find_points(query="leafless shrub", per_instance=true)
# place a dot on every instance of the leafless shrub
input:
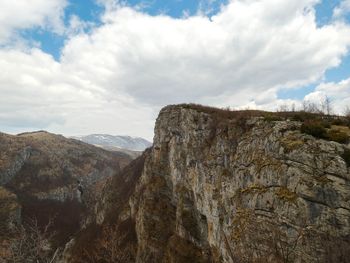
(346, 115)
(321, 107)
(31, 243)
(311, 107)
(293, 107)
(327, 105)
(347, 112)
(258, 239)
(109, 247)
(283, 108)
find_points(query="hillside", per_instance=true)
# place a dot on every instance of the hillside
(222, 186)
(46, 177)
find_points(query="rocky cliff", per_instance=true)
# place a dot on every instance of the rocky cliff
(225, 190)
(221, 186)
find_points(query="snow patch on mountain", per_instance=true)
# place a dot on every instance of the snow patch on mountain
(123, 142)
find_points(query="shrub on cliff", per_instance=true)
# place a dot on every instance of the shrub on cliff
(314, 128)
(340, 122)
(32, 243)
(323, 130)
(272, 117)
(337, 136)
(302, 116)
(346, 157)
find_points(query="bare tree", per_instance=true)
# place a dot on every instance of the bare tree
(293, 107)
(327, 105)
(312, 107)
(283, 108)
(32, 243)
(110, 247)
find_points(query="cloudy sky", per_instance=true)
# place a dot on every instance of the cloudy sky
(104, 66)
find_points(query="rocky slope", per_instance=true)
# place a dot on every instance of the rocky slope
(222, 186)
(47, 176)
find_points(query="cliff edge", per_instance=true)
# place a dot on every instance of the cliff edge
(222, 186)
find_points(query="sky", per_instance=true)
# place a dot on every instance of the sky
(78, 67)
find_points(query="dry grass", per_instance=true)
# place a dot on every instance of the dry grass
(286, 195)
(344, 129)
(291, 143)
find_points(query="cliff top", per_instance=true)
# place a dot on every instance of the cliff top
(320, 125)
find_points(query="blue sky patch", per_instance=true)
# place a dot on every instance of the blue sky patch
(52, 43)
(178, 8)
(324, 11)
(296, 94)
(173, 8)
(87, 10)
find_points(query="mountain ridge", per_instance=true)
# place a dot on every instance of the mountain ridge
(119, 141)
(47, 177)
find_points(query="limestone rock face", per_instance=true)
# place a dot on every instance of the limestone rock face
(209, 188)
(18, 161)
(226, 187)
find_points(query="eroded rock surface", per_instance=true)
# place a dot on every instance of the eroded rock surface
(211, 176)
(226, 187)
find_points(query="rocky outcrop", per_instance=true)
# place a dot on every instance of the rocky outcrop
(221, 186)
(7, 174)
(211, 186)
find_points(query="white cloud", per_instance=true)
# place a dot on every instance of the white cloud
(23, 14)
(342, 9)
(116, 77)
(207, 7)
(38, 92)
(338, 93)
(77, 26)
(250, 45)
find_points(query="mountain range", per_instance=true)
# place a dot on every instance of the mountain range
(115, 142)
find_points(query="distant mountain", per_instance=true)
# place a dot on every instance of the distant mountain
(121, 142)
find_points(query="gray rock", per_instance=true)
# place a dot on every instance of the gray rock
(223, 189)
